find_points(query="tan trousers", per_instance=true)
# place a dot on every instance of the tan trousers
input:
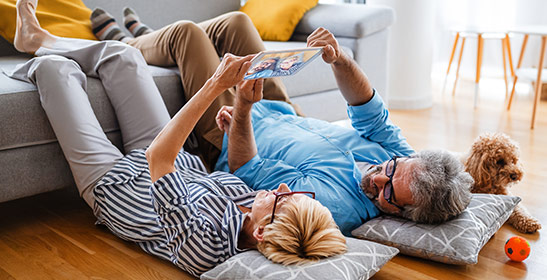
(195, 49)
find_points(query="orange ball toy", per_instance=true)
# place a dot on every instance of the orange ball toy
(517, 248)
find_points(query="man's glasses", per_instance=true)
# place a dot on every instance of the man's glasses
(389, 194)
(282, 194)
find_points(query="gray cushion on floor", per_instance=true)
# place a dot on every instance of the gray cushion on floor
(362, 260)
(457, 241)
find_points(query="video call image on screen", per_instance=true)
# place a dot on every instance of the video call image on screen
(280, 63)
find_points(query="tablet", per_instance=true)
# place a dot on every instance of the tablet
(270, 64)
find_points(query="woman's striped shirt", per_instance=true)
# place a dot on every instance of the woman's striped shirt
(188, 217)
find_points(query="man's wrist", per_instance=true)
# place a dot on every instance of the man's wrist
(342, 61)
(243, 105)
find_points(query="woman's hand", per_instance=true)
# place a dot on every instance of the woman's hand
(231, 71)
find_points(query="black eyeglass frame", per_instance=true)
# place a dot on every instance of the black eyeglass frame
(281, 194)
(389, 193)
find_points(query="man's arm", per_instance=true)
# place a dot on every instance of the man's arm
(164, 149)
(351, 80)
(241, 141)
(366, 111)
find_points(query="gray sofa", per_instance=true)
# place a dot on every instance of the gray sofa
(31, 161)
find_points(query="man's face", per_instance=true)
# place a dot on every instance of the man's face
(264, 65)
(375, 179)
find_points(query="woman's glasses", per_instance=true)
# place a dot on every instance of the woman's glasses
(282, 194)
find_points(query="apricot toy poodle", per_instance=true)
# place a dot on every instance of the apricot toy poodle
(493, 162)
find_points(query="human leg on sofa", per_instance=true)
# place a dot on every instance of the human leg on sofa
(60, 72)
(61, 85)
(127, 83)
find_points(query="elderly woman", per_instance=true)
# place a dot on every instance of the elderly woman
(161, 197)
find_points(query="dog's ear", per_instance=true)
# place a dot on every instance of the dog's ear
(479, 166)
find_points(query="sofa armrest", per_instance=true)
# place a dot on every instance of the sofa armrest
(346, 20)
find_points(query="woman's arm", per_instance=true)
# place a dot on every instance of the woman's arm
(163, 151)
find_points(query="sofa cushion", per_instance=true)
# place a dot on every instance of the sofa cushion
(276, 19)
(315, 77)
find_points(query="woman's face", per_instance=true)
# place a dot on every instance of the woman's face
(265, 200)
(287, 63)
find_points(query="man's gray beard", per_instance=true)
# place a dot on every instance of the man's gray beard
(367, 178)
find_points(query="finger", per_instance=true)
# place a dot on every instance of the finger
(315, 33)
(219, 122)
(227, 117)
(243, 70)
(319, 43)
(249, 57)
(318, 34)
(329, 51)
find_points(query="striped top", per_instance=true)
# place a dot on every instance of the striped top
(188, 217)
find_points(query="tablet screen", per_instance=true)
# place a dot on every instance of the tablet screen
(280, 63)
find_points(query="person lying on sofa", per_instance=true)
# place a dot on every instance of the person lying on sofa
(161, 197)
(356, 172)
(195, 48)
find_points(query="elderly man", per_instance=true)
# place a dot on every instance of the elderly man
(355, 172)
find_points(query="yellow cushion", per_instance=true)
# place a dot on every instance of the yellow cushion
(65, 18)
(275, 20)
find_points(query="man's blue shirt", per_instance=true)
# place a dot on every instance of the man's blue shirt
(313, 155)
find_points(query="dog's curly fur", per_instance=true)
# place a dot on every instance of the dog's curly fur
(493, 162)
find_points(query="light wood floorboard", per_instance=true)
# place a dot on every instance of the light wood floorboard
(52, 236)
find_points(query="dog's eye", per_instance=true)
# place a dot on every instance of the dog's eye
(500, 162)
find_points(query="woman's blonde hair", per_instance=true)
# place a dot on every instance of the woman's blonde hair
(304, 232)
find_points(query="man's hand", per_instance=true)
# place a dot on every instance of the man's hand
(224, 118)
(231, 71)
(351, 80)
(321, 37)
(249, 92)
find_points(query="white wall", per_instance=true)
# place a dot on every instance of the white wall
(410, 53)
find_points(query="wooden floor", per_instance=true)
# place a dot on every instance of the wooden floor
(52, 236)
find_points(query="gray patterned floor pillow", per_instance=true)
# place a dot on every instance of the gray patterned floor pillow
(362, 260)
(457, 241)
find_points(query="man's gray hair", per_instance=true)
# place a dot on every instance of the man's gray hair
(440, 188)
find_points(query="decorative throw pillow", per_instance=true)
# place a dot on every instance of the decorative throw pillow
(457, 241)
(65, 18)
(276, 20)
(362, 260)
